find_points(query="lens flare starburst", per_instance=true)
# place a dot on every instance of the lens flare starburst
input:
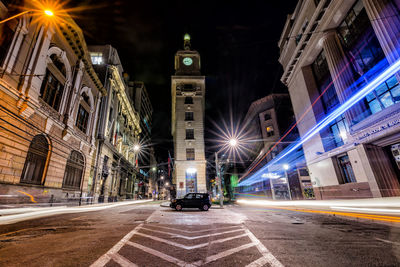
(233, 139)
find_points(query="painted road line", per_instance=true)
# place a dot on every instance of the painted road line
(224, 254)
(191, 237)
(162, 240)
(122, 260)
(387, 241)
(160, 254)
(196, 231)
(103, 260)
(383, 218)
(258, 263)
(272, 261)
(395, 211)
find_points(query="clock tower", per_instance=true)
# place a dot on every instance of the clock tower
(188, 92)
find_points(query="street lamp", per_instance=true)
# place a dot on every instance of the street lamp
(47, 12)
(136, 148)
(232, 142)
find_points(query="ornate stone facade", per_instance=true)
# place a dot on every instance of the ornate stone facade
(49, 98)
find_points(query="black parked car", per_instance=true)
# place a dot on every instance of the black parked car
(192, 200)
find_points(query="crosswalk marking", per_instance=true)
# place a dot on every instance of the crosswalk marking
(122, 261)
(267, 255)
(224, 254)
(192, 237)
(197, 231)
(159, 254)
(214, 235)
(189, 247)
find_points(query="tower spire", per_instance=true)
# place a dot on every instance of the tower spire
(186, 41)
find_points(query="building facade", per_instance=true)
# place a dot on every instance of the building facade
(49, 99)
(330, 49)
(188, 96)
(267, 120)
(116, 173)
(138, 93)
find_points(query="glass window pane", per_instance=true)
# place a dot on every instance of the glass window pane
(387, 100)
(370, 97)
(391, 81)
(396, 91)
(375, 106)
(381, 89)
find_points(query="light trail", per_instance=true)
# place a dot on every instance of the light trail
(29, 195)
(310, 207)
(382, 77)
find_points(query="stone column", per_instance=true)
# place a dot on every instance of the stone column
(341, 73)
(385, 20)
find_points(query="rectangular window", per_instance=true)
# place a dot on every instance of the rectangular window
(52, 90)
(82, 119)
(336, 134)
(188, 100)
(324, 83)
(384, 95)
(97, 58)
(346, 170)
(267, 117)
(189, 134)
(188, 116)
(354, 24)
(270, 131)
(189, 153)
(188, 87)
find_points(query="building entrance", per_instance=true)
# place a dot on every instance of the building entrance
(191, 181)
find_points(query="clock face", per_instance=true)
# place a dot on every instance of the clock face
(187, 61)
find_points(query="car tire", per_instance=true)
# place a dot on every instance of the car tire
(178, 207)
(205, 207)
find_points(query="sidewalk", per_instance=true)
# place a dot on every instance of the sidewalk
(8, 216)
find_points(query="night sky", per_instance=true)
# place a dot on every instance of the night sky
(237, 41)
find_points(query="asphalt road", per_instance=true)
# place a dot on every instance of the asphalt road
(150, 235)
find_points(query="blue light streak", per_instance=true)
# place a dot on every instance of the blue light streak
(363, 92)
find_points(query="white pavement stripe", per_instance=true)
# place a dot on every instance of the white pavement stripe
(190, 247)
(160, 254)
(106, 257)
(122, 261)
(272, 261)
(387, 241)
(191, 237)
(223, 254)
(258, 263)
(198, 231)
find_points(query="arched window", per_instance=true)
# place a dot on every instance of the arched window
(82, 118)
(35, 163)
(53, 83)
(74, 170)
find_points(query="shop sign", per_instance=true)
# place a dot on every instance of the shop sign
(380, 128)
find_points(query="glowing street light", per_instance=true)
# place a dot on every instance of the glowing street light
(162, 177)
(136, 148)
(233, 142)
(286, 167)
(49, 13)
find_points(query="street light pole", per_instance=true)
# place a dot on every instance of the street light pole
(286, 167)
(221, 194)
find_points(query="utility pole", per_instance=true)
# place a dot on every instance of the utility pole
(221, 194)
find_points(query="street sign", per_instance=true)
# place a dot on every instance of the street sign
(180, 185)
